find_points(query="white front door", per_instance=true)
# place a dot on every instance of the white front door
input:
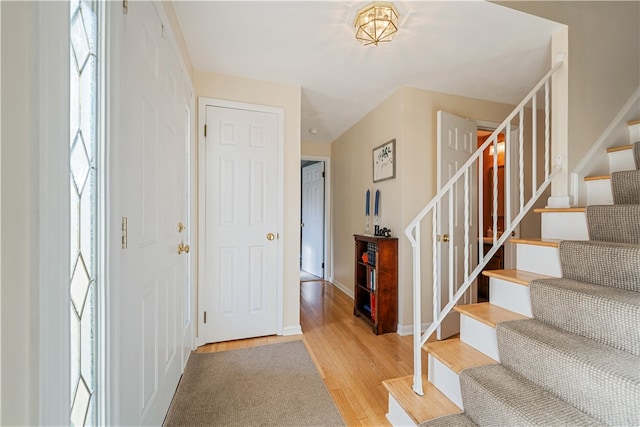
(312, 250)
(457, 141)
(238, 295)
(148, 192)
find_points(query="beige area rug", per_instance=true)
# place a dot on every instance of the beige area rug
(271, 385)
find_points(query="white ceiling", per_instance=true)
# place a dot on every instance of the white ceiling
(471, 48)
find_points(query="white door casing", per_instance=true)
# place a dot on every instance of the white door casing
(457, 141)
(312, 250)
(148, 188)
(240, 291)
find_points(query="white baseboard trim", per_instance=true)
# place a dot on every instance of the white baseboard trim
(291, 330)
(404, 330)
(343, 288)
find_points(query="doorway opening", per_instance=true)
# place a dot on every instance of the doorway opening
(312, 219)
(497, 262)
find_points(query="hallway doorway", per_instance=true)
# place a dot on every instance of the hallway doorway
(313, 218)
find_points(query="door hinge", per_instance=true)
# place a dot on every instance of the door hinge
(323, 174)
(124, 232)
(125, 6)
(323, 265)
(205, 317)
(205, 131)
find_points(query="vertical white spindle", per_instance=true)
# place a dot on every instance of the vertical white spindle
(466, 225)
(435, 248)
(534, 143)
(453, 191)
(417, 311)
(506, 197)
(495, 190)
(521, 159)
(546, 129)
(480, 207)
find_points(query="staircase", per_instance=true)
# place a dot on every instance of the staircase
(559, 341)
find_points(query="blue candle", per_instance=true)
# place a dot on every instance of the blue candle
(377, 203)
(366, 208)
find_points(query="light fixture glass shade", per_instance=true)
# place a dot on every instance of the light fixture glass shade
(500, 148)
(376, 23)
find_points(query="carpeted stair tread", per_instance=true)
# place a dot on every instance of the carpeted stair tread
(607, 264)
(494, 395)
(456, 420)
(597, 379)
(625, 186)
(605, 314)
(614, 223)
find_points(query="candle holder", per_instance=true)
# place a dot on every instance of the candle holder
(367, 231)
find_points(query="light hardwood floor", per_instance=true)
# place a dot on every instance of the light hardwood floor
(351, 359)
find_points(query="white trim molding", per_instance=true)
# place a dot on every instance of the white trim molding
(52, 141)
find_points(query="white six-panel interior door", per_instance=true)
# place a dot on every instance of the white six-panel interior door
(457, 141)
(239, 293)
(312, 247)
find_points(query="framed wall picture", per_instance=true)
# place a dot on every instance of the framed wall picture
(384, 163)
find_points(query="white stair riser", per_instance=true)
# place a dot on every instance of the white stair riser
(621, 161)
(599, 192)
(565, 225)
(445, 380)
(480, 336)
(634, 133)
(397, 416)
(511, 296)
(539, 259)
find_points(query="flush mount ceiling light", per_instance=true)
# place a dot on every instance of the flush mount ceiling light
(376, 23)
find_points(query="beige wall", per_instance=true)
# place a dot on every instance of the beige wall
(316, 149)
(287, 97)
(351, 161)
(409, 115)
(604, 62)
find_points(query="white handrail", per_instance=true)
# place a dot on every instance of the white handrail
(457, 290)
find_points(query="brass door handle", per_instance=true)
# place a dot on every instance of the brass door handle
(271, 236)
(183, 248)
(445, 238)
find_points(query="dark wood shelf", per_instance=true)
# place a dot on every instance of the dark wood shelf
(376, 283)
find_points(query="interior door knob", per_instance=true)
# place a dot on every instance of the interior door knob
(183, 248)
(271, 236)
(445, 238)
